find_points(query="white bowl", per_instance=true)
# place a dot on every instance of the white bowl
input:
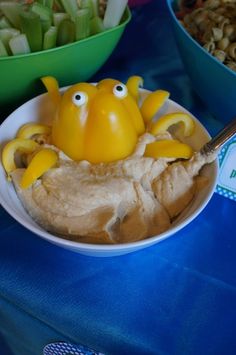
(32, 111)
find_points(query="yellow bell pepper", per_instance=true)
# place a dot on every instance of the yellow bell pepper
(170, 119)
(28, 130)
(110, 134)
(42, 161)
(152, 104)
(133, 84)
(168, 149)
(8, 153)
(69, 124)
(98, 123)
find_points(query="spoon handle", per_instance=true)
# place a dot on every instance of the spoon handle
(223, 136)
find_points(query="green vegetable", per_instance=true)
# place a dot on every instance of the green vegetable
(11, 10)
(58, 6)
(71, 7)
(87, 4)
(82, 25)
(19, 44)
(4, 23)
(66, 32)
(50, 38)
(3, 50)
(44, 12)
(114, 12)
(48, 3)
(44, 24)
(58, 17)
(31, 26)
(6, 34)
(96, 25)
(95, 5)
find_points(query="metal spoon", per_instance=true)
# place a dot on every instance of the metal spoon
(220, 139)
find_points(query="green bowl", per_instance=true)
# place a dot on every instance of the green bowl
(20, 75)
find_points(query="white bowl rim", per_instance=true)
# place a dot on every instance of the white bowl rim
(116, 248)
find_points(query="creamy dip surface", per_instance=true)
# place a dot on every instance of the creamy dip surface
(119, 202)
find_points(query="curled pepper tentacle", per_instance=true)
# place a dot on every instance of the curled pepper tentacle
(170, 148)
(30, 129)
(8, 153)
(133, 84)
(152, 104)
(52, 87)
(166, 121)
(44, 160)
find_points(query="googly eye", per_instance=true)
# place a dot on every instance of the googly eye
(79, 98)
(120, 90)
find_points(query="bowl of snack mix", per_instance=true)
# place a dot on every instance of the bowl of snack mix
(68, 39)
(206, 38)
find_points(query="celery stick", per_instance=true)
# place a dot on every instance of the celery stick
(96, 25)
(6, 34)
(19, 44)
(95, 6)
(31, 26)
(3, 50)
(82, 25)
(43, 11)
(58, 6)
(58, 17)
(4, 23)
(50, 38)
(87, 4)
(48, 3)
(114, 12)
(12, 12)
(66, 32)
(46, 24)
(71, 7)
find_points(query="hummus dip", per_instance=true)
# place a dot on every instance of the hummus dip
(119, 202)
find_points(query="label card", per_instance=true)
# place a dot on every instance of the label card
(226, 185)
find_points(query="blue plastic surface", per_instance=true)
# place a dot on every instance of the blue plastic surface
(177, 297)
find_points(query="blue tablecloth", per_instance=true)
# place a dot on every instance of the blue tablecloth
(176, 297)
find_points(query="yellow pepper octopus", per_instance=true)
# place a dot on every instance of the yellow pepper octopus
(99, 123)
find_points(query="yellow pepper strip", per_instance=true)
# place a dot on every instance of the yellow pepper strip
(44, 160)
(152, 104)
(133, 84)
(52, 87)
(168, 149)
(166, 121)
(30, 129)
(8, 153)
